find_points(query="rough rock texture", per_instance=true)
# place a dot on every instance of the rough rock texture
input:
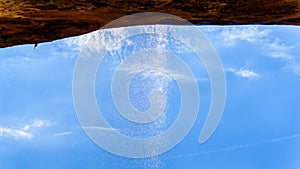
(36, 21)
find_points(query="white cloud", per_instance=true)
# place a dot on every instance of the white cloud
(250, 34)
(35, 124)
(63, 133)
(282, 51)
(244, 73)
(23, 132)
(271, 46)
(14, 133)
(108, 39)
(278, 50)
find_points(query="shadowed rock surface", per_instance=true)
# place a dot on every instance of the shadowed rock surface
(36, 21)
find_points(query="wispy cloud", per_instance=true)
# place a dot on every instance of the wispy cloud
(270, 45)
(251, 34)
(282, 51)
(295, 136)
(295, 67)
(244, 73)
(23, 132)
(14, 133)
(35, 124)
(108, 39)
(278, 50)
(63, 133)
(236, 147)
(98, 128)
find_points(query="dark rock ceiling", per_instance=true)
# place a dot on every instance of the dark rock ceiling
(36, 21)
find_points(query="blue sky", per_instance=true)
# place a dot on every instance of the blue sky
(260, 127)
